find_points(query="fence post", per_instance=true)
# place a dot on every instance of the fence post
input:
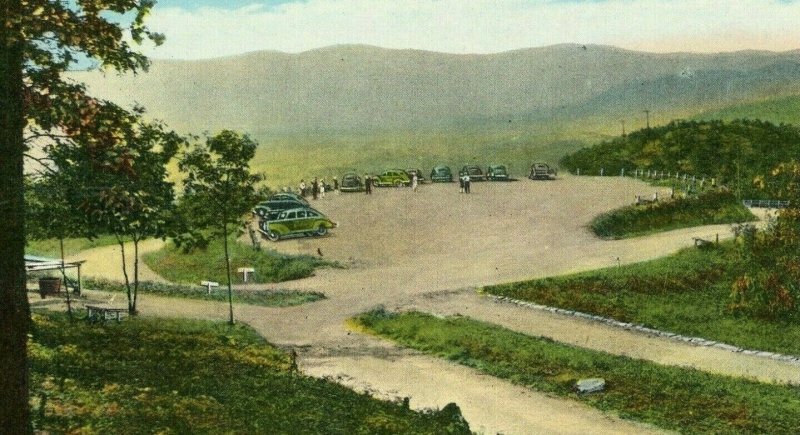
(601, 171)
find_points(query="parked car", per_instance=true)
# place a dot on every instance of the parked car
(497, 173)
(270, 208)
(412, 171)
(475, 173)
(296, 222)
(441, 174)
(392, 177)
(287, 196)
(351, 182)
(542, 171)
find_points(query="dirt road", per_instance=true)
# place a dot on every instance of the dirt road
(429, 250)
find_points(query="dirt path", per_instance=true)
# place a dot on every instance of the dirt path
(429, 250)
(106, 261)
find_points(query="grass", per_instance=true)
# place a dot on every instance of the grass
(50, 247)
(709, 208)
(209, 264)
(686, 293)
(264, 298)
(177, 376)
(670, 397)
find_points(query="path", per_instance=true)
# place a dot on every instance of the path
(429, 250)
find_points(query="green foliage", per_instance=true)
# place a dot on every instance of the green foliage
(770, 287)
(674, 398)
(687, 293)
(779, 110)
(175, 376)
(713, 207)
(265, 298)
(209, 264)
(734, 152)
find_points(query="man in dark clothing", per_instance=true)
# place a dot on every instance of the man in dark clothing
(368, 184)
(466, 183)
(315, 188)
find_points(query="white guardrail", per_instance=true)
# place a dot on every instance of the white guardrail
(765, 203)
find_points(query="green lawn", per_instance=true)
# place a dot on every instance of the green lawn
(50, 247)
(264, 298)
(175, 376)
(707, 209)
(209, 264)
(686, 293)
(674, 398)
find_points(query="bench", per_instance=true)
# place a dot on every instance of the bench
(104, 312)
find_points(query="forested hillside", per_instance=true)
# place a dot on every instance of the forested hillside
(733, 152)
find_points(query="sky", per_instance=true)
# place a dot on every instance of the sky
(198, 29)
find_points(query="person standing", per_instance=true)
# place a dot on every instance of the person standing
(466, 183)
(322, 188)
(461, 184)
(303, 188)
(414, 182)
(368, 184)
(336, 185)
(315, 188)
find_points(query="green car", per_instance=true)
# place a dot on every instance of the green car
(392, 177)
(441, 174)
(296, 222)
(497, 173)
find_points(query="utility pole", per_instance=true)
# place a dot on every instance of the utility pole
(647, 114)
(623, 127)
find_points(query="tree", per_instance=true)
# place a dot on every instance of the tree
(120, 167)
(39, 39)
(219, 188)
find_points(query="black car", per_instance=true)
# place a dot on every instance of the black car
(351, 182)
(497, 173)
(412, 171)
(475, 173)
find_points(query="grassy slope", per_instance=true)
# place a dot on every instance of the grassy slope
(170, 376)
(710, 208)
(209, 264)
(670, 397)
(50, 247)
(686, 293)
(777, 110)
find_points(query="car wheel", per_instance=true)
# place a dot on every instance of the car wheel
(321, 231)
(273, 236)
(398, 183)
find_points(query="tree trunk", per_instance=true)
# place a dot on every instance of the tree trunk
(64, 278)
(135, 273)
(228, 269)
(131, 308)
(14, 309)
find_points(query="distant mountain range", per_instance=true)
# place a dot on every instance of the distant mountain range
(354, 87)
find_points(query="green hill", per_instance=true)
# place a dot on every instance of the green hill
(733, 152)
(777, 110)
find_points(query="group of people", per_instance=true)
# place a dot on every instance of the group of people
(318, 187)
(464, 183)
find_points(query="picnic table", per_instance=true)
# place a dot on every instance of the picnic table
(104, 312)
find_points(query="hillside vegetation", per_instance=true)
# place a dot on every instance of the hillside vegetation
(179, 376)
(734, 152)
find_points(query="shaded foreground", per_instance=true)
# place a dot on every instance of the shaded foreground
(670, 397)
(177, 376)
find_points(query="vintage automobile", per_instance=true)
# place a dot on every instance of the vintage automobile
(441, 174)
(287, 196)
(351, 182)
(474, 172)
(542, 171)
(270, 208)
(497, 173)
(296, 222)
(420, 178)
(392, 177)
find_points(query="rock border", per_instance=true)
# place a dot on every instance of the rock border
(697, 341)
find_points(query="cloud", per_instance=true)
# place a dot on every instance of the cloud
(478, 26)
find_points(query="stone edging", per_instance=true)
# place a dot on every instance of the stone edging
(697, 341)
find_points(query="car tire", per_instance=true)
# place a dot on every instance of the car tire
(321, 231)
(272, 236)
(399, 183)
